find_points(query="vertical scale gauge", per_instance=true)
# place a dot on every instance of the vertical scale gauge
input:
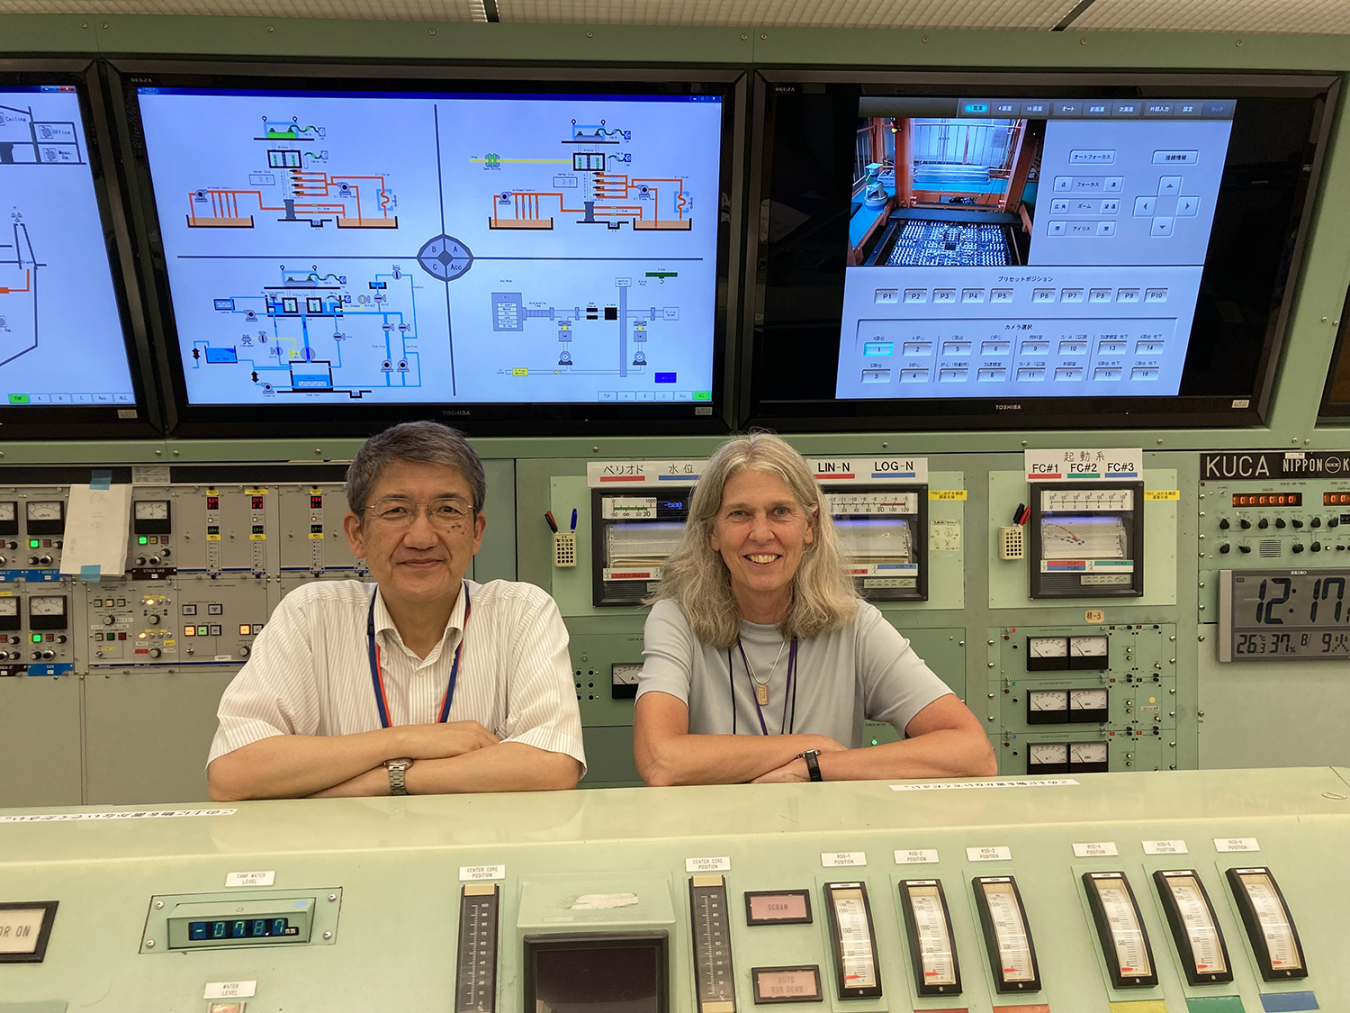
(476, 976)
(1120, 927)
(855, 954)
(1274, 939)
(712, 944)
(928, 924)
(1204, 955)
(1007, 936)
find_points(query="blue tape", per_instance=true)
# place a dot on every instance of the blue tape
(1288, 1002)
(90, 573)
(101, 479)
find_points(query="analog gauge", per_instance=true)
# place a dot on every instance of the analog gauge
(8, 511)
(47, 605)
(1088, 752)
(1042, 753)
(53, 510)
(1087, 699)
(9, 606)
(1047, 647)
(1047, 700)
(1087, 647)
(152, 510)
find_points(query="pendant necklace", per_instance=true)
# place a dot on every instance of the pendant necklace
(762, 688)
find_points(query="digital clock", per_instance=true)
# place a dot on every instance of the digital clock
(1284, 615)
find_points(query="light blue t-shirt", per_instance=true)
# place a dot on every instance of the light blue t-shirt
(864, 671)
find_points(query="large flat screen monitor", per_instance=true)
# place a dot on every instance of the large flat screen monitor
(67, 344)
(508, 253)
(1027, 252)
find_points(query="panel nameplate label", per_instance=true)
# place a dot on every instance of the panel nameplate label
(1049, 782)
(834, 859)
(251, 879)
(605, 474)
(1095, 849)
(870, 470)
(918, 856)
(469, 873)
(1165, 848)
(722, 864)
(997, 854)
(1099, 465)
(1236, 844)
(231, 990)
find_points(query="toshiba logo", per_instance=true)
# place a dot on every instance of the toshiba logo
(1007, 407)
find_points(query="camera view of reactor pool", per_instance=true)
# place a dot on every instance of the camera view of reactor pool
(1027, 247)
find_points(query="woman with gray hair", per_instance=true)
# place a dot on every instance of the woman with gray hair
(758, 579)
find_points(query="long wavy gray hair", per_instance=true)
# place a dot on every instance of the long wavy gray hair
(823, 595)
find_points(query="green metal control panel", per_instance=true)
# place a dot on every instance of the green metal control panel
(1186, 892)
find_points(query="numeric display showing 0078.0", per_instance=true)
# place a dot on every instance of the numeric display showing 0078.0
(1295, 614)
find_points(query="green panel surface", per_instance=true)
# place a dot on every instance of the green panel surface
(1215, 1004)
(1008, 581)
(40, 741)
(149, 734)
(395, 862)
(1256, 714)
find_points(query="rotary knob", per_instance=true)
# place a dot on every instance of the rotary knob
(153, 620)
(109, 620)
(48, 655)
(243, 650)
(155, 652)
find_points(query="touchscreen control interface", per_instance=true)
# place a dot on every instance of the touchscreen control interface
(1027, 248)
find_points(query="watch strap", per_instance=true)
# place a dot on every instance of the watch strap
(397, 769)
(812, 764)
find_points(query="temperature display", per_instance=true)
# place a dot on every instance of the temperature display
(1012, 954)
(1204, 956)
(1279, 614)
(1129, 958)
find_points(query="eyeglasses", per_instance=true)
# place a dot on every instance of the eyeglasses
(445, 512)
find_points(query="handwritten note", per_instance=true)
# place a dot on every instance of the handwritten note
(97, 522)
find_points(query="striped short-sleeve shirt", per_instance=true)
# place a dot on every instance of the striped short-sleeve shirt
(309, 673)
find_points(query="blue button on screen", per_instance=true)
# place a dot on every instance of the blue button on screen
(665, 377)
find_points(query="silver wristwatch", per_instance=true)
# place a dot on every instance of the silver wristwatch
(397, 768)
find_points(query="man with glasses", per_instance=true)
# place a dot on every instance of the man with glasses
(421, 683)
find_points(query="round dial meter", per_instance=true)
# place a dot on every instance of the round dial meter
(47, 605)
(1087, 699)
(1048, 647)
(1048, 752)
(1087, 647)
(45, 511)
(1047, 700)
(152, 510)
(1088, 752)
(9, 606)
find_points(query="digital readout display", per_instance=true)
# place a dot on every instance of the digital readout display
(242, 928)
(1269, 499)
(777, 907)
(1291, 614)
(1336, 499)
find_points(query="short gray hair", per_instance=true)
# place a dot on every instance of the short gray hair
(418, 443)
(824, 597)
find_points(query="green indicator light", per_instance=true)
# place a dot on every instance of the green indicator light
(143, 540)
(874, 742)
(33, 543)
(37, 638)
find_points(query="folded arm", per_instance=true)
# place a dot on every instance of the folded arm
(667, 754)
(294, 766)
(943, 740)
(505, 766)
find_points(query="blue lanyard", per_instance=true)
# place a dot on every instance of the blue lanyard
(787, 691)
(377, 673)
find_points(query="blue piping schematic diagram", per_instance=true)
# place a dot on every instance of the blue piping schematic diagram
(341, 252)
